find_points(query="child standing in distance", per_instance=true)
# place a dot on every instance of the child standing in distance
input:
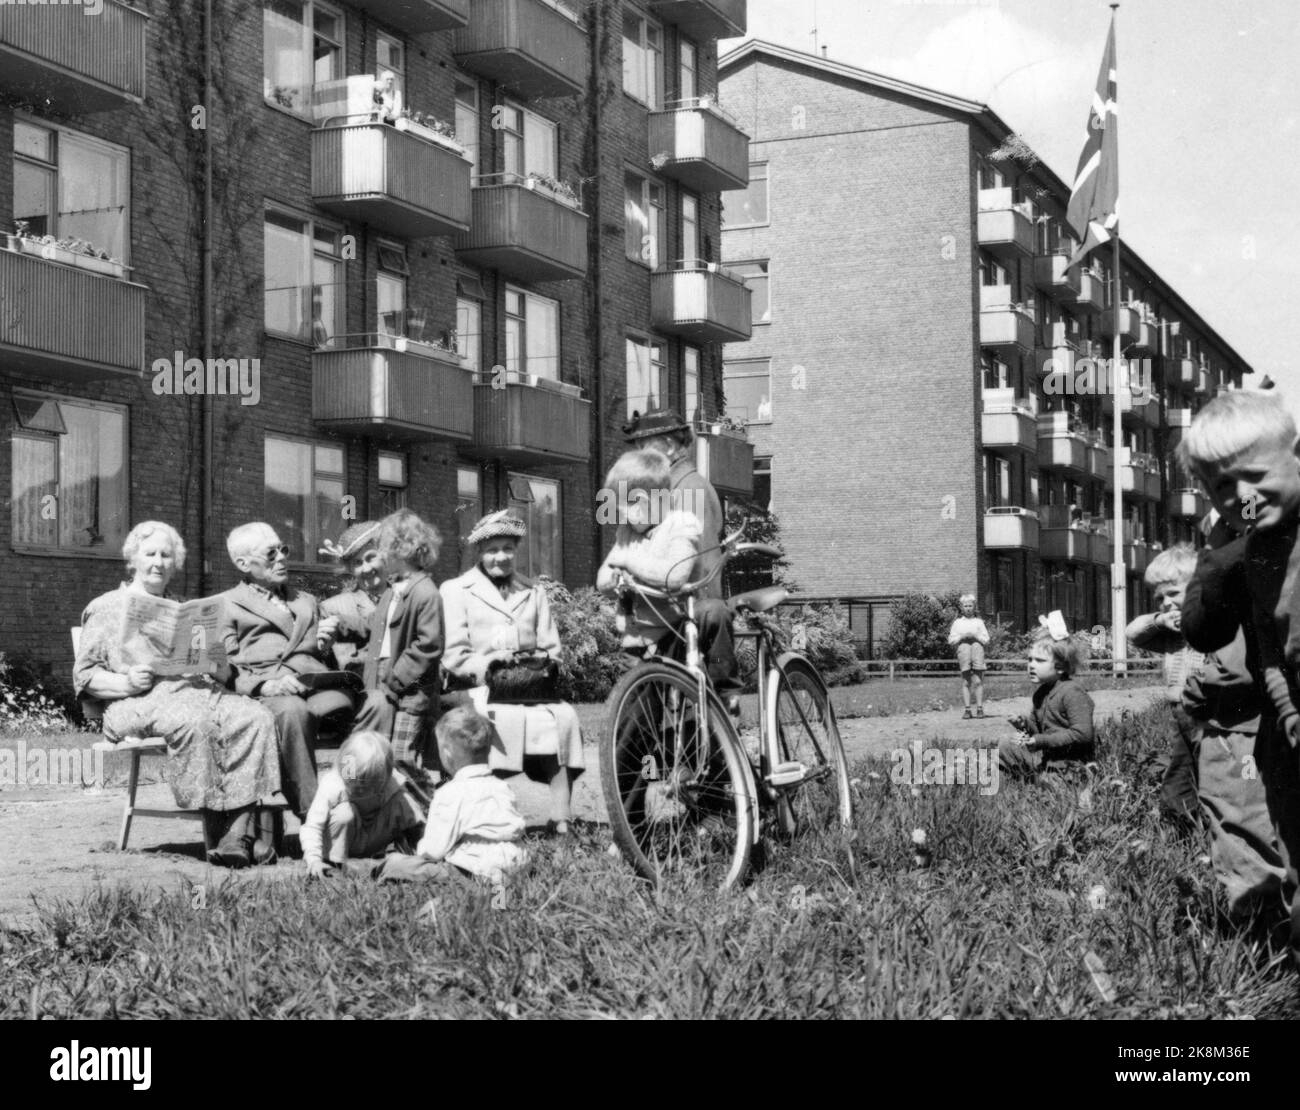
(970, 635)
(1161, 631)
(357, 553)
(1059, 727)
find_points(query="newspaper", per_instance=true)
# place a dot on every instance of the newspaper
(183, 638)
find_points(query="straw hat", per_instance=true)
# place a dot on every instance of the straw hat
(500, 523)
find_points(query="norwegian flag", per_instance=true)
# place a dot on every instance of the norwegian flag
(1094, 200)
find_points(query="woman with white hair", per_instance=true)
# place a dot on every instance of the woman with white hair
(222, 752)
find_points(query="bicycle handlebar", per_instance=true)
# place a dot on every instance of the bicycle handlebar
(730, 548)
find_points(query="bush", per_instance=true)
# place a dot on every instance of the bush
(25, 707)
(919, 624)
(827, 643)
(592, 659)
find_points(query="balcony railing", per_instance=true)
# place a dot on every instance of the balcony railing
(705, 19)
(1008, 422)
(1009, 526)
(1092, 292)
(1052, 277)
(726, 458)
(1003, 227)
(1099, 461)
(1181, 371)
(533, 47)
(392, 387)
(76, 61)
(1003, 323)
(1139, 474)
(702, 302)
(1188, 502)
(391, 179)
(1100, 546)
(1129, 324)
(527, 419)
(522, 229)
(1062, 534)
(699, 145)
(1062, 444)
(418, 16)
(62, 322)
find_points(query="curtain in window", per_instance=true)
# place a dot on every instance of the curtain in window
(288, 472)
(539, 145)
(542, 336)
(35, 471)
(287, 294)
(92, 492)
(635, 216)
(285, 76)
(93, 194)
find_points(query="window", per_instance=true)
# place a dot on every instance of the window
(763, 483)
(997, 481)
(469, 508)
(756, 277)
(304, 493)
(690, 228)
(532, 334)
(687, 73)
(643, 60)
(304, 293)
(748, 383)
(392, 482)
(747, 207)
(997, 375)
(469, 321)
(302, 43)
(529, 141)
(69, 476)
(990, 177)
(467, 118)
(537, 502)
(691, 382)
(647, 376)
(69, 185)
(390, 69)
(999, 601)
(390, 289)
(646, 219)
(991, 273)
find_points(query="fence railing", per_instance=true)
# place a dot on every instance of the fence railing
(893, 669)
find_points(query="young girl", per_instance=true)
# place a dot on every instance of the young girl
(405, 642)
(970, 635)
(358, 556)
(1060, 726)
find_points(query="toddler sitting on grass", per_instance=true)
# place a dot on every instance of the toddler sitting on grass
(1059, 727)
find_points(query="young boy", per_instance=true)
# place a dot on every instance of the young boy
(970, 635)
(1243, 447)
(1161, 631)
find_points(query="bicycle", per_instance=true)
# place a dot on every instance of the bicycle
(685, 797)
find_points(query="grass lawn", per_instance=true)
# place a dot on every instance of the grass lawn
(1062, 898)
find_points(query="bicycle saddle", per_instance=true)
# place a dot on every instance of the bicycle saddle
(759, 601)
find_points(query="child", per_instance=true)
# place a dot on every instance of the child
(1168, 575)
(357, 553)
(1059, 727)
(405, 642)
(970, 635)
(362, 810)
(474, 826)
(660, 546)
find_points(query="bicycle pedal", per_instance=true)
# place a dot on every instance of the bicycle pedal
(787, 774)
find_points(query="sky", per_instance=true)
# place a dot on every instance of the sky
(1209, 138)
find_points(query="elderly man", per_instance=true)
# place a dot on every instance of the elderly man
(665, 430)
(275, 639)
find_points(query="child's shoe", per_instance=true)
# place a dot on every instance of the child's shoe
(966, 716)
(979, 711)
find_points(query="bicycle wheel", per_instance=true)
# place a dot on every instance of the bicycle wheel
(676, 807)
(806, 733)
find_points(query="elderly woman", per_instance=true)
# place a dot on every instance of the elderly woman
(357, 553)
(221, 747)
(489, 614)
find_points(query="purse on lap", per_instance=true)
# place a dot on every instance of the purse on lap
(528, 677)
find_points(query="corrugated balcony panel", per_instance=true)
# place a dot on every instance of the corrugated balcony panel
(396, 394)
(1180, 371)
(1005, 327)
(1008, 432)
(390, 179)
(1010, 527)
(1062, 543)
(1092, 293)
(77, 61)
(1129, 324)
(728, 462)
(1100, 548)
(1059, 283)
(1005, 232)
(525, 45)
(701, 304)
(65, 323)
(417, 16)
(1062, 450)
(525, 233)
(1154, 484)
(1099, 462)
(530, 424)
(705, 19)
(1136, 556)
(700, 148)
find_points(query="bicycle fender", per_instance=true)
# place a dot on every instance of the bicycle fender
(796, 656)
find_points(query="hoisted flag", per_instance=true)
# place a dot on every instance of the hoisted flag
(1094, 200)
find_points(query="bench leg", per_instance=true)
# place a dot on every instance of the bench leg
(129, 808)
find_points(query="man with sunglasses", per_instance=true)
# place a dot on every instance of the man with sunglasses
(276, 639)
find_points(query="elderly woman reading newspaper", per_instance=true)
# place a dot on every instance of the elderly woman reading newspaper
(222, 753)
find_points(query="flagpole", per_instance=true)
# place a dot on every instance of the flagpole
(1119, 572)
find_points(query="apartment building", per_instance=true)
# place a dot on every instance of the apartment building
(914, 328)
(348, 257)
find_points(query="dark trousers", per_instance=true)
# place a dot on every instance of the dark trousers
(297, 721)
(1179, 788)
(717, 643)
(1279, 767)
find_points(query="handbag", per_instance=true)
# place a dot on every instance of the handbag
(524, 678)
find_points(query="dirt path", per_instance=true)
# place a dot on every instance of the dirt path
(58, 843)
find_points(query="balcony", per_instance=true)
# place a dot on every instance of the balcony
(1062, 444)
(1008, 526)
(702, 302)
(1188, 502)
(75, 61)
(699, 145)
(1136, 557)
(726, 458)
(391, 179)
(382, 385)
(1092, 292)
(1008, 423)
(1003, 227)
(418, 16)
(62, 322)
(1202, 381)
(1062, 534)
(1099, 461)
(1148, 334)
(534, 48)
(1052, 277)
(1139, 475)
(526, 419)
(1101, 549)
(1129, 324)
(1181, 372)
(1003, 324)
(705, 19)
(525, 230)
(1178, 421)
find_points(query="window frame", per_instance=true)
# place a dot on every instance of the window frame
(473, 148)
(692, 400)
(522, 359)
(308, 48)
(767, 198)
(521, 136)
(526, 546)
(732, 376)
(655, 229)
(654, 82)
(764, 277)
(309, 555)
(640, 340)
(311, 224)
(683, 93)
